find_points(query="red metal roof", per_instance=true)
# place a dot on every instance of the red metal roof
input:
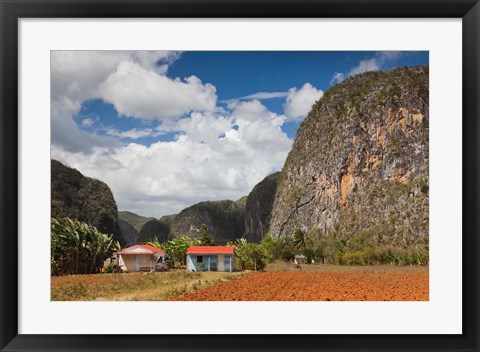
(144, 249)
(210, 250)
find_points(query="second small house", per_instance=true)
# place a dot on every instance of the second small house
(210, 258)
(141, 257)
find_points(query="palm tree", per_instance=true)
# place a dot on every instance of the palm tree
(299, 240)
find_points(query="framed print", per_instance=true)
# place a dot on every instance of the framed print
(201, 175)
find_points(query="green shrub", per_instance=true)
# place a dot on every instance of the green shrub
(109, 268)
(287, 253)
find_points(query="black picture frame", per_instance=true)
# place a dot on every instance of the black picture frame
(12, 11)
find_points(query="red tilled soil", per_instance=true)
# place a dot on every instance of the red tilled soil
(310, 286)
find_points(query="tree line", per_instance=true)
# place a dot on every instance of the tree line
(79, 248)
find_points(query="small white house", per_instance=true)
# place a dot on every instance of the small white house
(210, 258)
(300, 259)
(141, 257)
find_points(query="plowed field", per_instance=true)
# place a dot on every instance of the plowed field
(311, 286)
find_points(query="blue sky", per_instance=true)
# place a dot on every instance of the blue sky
(168, 129)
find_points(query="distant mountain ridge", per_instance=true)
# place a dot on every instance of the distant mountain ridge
(225, 220)
(137, 229)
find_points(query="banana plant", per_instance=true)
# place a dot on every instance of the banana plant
(78, 248)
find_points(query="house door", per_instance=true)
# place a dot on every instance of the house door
(228, 263)
(213, 263)
(221, 262)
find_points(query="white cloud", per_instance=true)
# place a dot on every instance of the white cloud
(75, 77)
(231, 103)
(337, 77)
(66, 134)
(264, 95)
(136, 91)
(365, 66)
(258, 127)
(77, 74)
(252, 111)
(299, 102)
(157, 61)
(133, 133)
(88, 122)
(204, 128)
(373, 64)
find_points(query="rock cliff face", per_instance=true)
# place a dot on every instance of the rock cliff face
(83, 198)
(360, 161)
(259, 208)
(225, 220)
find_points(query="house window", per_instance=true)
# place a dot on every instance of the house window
(199, 258)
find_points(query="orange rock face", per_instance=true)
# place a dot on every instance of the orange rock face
(346, 182)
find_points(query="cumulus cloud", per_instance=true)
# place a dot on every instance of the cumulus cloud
(204, 128)
(252, 111)
(77, 74)
(373, 64)
(299, 102)
(259, 128)
(136, 91)
(157, 61)
(75, 77)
